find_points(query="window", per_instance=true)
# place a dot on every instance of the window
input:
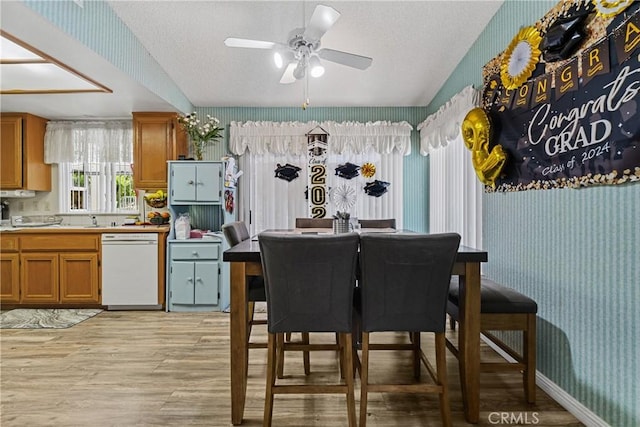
(97, 188)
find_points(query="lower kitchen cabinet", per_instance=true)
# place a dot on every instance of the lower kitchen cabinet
(79, 278)
(60, 278)
(39, 278)
(59, 269)
(9, 270)
(195, 272)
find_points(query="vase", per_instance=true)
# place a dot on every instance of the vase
(197, 148)
(197, 152)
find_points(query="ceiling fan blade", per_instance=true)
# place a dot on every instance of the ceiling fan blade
(345, 58)
(287, 76)
(322, 19)
(252, 44)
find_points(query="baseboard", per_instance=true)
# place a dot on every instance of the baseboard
(568, 402)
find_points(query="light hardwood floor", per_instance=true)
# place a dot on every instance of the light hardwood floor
(132, 368)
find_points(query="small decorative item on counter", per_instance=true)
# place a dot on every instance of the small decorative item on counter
(157, 199)
(183, 226)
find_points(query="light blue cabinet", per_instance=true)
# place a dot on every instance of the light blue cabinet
(195, 182)
(197, 278)
(194, 275)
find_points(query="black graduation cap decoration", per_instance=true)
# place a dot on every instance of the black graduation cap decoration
(564, 36)
(347, 170)
(287, 172)
(376, 188)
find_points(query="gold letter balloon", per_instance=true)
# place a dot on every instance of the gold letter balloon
(476, 133)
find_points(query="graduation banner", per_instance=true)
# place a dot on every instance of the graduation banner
(562, 102)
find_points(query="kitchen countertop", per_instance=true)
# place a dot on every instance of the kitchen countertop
(88, 229)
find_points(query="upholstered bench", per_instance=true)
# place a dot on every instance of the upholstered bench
(503, 309)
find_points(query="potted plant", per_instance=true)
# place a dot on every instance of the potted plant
(201, 134)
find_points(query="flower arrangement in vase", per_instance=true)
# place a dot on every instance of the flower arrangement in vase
(201, 134)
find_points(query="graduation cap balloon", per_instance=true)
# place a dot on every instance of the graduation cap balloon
(564, 36)
(376, 188)
(347, 170)
(287, 172)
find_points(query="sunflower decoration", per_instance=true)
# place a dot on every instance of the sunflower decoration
(520, 58)
(368, 170)
(608, 9)
(344, 197)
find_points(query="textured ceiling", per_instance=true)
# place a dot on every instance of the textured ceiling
(415, 45)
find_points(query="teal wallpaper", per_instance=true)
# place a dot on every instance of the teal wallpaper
(575, 252)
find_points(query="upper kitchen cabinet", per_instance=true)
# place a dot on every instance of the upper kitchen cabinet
(157, 138)
(22, 157)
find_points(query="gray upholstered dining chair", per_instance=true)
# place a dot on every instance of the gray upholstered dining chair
(314, 223)
(236, 232)
(378, 223)
(404, 287)
(309, 281)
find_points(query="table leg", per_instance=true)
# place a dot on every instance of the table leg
(469, 341)
(238, 344)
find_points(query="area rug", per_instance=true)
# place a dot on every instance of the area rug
(45, 318)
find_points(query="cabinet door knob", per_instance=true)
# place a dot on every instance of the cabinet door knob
(190, 182)
(198, 279)
(190, 279)
(199, 183)
(194, 253)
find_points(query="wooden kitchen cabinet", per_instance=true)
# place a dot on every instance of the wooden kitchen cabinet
(157, 138)
(22, 156)
(9, 270)
(59, 268)
(39, 278)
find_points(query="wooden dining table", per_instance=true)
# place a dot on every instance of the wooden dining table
(244, 259)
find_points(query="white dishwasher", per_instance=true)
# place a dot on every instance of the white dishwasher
(130, 271)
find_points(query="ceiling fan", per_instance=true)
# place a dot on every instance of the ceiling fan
(302, 48)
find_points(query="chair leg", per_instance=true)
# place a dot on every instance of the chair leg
(415, 340)
(280, 355)
(305, 354)
(452, 323)
(346, 342)
(271, 380)
(251, 306)
(529, 352)
(364, 379)
(441, 368)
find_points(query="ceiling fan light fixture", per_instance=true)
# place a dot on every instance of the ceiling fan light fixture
(299, 71)
(278, 60)
(282, 58)
(317, 69)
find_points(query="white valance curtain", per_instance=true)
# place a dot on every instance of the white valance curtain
(290, 137)
(268, 202)
(89, 142)
(455, 193)
(443, 126)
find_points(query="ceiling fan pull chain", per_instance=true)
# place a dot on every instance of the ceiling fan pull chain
(306, 102)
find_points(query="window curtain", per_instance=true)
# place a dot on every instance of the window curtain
(455, 193)
(88, 142)
(269, 202)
